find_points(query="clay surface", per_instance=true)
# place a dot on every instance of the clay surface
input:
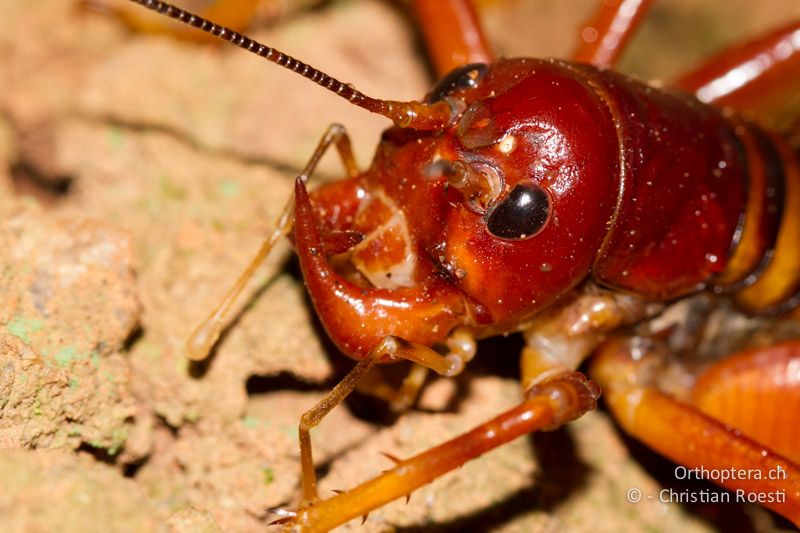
(139, 173)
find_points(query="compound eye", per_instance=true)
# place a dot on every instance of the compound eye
(520, 215)
(466, 77)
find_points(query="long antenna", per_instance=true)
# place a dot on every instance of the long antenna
(414, 115)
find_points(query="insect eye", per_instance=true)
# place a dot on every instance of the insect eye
(521, 214)
(466, 77)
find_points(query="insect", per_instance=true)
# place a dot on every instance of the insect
(572, 204)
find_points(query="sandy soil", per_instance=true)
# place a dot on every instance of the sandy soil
(137, 176)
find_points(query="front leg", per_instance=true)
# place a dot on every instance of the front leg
(391, 348)
(461, 343)
(560, 340)
(545, 407)
(206, 334)
(554, 394)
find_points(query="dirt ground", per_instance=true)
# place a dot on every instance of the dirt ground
(138, 174)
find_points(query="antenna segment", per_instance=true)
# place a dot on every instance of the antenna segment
(414, 115)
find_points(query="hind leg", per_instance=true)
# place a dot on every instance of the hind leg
(452, 32)
(766, 381)
(761, 76)
(604, 36)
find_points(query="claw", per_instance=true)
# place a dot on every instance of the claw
(283, 512)
(286, 516)
(282, 521)
(392, 458)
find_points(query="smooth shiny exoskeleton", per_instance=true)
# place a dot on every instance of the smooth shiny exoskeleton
(571, 203)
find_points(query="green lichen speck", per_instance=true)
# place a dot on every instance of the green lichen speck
(22, 327)
(116, 137)
(250, 422)
(229, 188)
(67, 355)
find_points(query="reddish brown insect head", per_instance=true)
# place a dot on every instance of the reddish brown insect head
(546, 149)
(357, 318)
(485, 203)
(505, 211)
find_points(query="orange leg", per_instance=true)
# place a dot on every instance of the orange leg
(559, 340)
(740, 389)
(548, 405)
(760, 76)
(205, 335)
(691, 438)
(399, 399)
(554, 394)
(604, 36)
(391, 348)
(461, 343)
(452, 33)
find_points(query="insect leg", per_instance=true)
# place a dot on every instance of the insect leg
(453, 35)
(207, 332)
(604, 36)
(689, 437)
(559, 341)
(760, 76)
(401, 398)
(548, 405)
(740, 389)
(391, 348)
(336, 135)
(461, 344)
